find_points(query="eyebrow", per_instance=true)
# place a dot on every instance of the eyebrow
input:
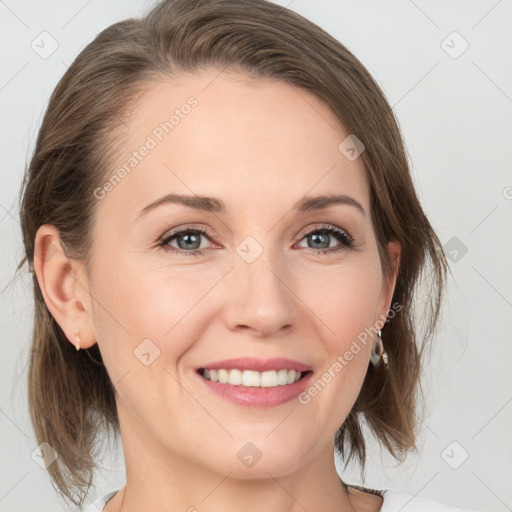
(214, 205)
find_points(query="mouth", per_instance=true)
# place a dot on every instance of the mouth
(250, 388)
(253, 378)
(255, 382)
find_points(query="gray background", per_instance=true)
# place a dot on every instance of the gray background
(454, 108)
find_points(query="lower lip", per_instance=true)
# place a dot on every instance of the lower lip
(258, 397)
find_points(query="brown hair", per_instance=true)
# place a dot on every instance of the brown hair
(71, 158)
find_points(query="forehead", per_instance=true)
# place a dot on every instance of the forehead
(222, 133)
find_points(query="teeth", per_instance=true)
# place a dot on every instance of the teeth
(282, 377)
(251, 378)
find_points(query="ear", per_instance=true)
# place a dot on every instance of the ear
(388, 285)
(64, 285)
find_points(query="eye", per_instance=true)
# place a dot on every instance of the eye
(188, 241)
(321, 238)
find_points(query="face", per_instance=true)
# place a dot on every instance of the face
(251, 275)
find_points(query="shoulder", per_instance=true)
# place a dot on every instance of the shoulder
(99, 503)
(395, 501)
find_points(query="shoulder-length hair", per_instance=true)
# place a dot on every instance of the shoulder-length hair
(71, 397)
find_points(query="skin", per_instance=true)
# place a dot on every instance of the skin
(260, 146)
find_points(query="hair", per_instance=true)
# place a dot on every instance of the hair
(71, 397)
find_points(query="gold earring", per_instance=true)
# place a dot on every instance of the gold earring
(77, 340)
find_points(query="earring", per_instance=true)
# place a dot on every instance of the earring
(378, 352)
(77, 340)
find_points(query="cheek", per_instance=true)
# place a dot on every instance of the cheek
(344, 298)
(135, 303)
(176, 303)
(345, 305)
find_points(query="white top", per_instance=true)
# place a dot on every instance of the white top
(393, 501)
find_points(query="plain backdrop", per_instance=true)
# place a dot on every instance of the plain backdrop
(445, 67)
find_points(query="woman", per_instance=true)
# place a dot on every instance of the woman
(226, 242)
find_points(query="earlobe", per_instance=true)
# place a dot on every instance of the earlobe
(61, 285)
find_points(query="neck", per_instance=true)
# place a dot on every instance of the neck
(158, 480)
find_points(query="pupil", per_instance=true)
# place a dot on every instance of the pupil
(316, 238)
(189, 239)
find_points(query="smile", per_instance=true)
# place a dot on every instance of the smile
(252, 378)
(251, 388)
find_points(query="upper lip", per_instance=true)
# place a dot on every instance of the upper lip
(259, 365)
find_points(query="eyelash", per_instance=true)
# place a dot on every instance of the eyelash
(341, 235)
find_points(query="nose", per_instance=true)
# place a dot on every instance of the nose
(260, 296)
